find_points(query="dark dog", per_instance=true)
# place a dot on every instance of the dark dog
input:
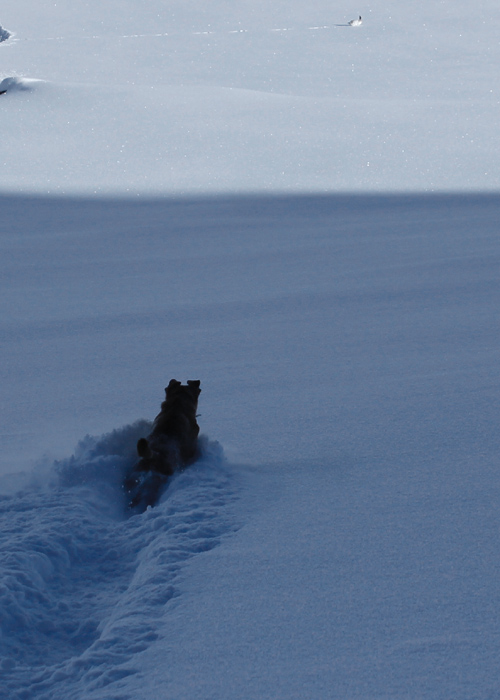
(171, 446)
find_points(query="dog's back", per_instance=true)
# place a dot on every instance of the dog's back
(173, 441)
(171, 445)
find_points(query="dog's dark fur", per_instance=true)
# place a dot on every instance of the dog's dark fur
(173, 442)
(171, 445)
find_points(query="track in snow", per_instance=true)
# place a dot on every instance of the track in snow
(83, 586)
(202, 33)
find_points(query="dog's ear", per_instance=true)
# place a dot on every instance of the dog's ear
(194, 385)
(173, 384)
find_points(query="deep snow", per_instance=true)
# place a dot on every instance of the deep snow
(348, 351)
(339, 537)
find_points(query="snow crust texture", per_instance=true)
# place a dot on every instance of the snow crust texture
(84, 586)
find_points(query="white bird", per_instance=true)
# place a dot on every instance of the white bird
(356, 22)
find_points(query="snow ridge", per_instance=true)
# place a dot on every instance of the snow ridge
(84, 586)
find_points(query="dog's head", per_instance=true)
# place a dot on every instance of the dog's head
(176, 389)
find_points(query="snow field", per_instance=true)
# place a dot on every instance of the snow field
(251, 99)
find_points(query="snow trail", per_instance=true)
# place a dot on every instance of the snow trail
(177, 34)
(84, 585)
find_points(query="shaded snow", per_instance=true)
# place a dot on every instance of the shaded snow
(348, 352)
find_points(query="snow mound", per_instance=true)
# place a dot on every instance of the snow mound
(12, 84)
(4, 34)
(83, 589)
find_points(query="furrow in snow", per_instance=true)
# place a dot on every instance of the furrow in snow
(84, 585)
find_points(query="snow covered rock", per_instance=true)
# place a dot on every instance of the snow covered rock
(19, 84)
(4, 34)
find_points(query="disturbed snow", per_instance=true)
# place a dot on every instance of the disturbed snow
(83, 582)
